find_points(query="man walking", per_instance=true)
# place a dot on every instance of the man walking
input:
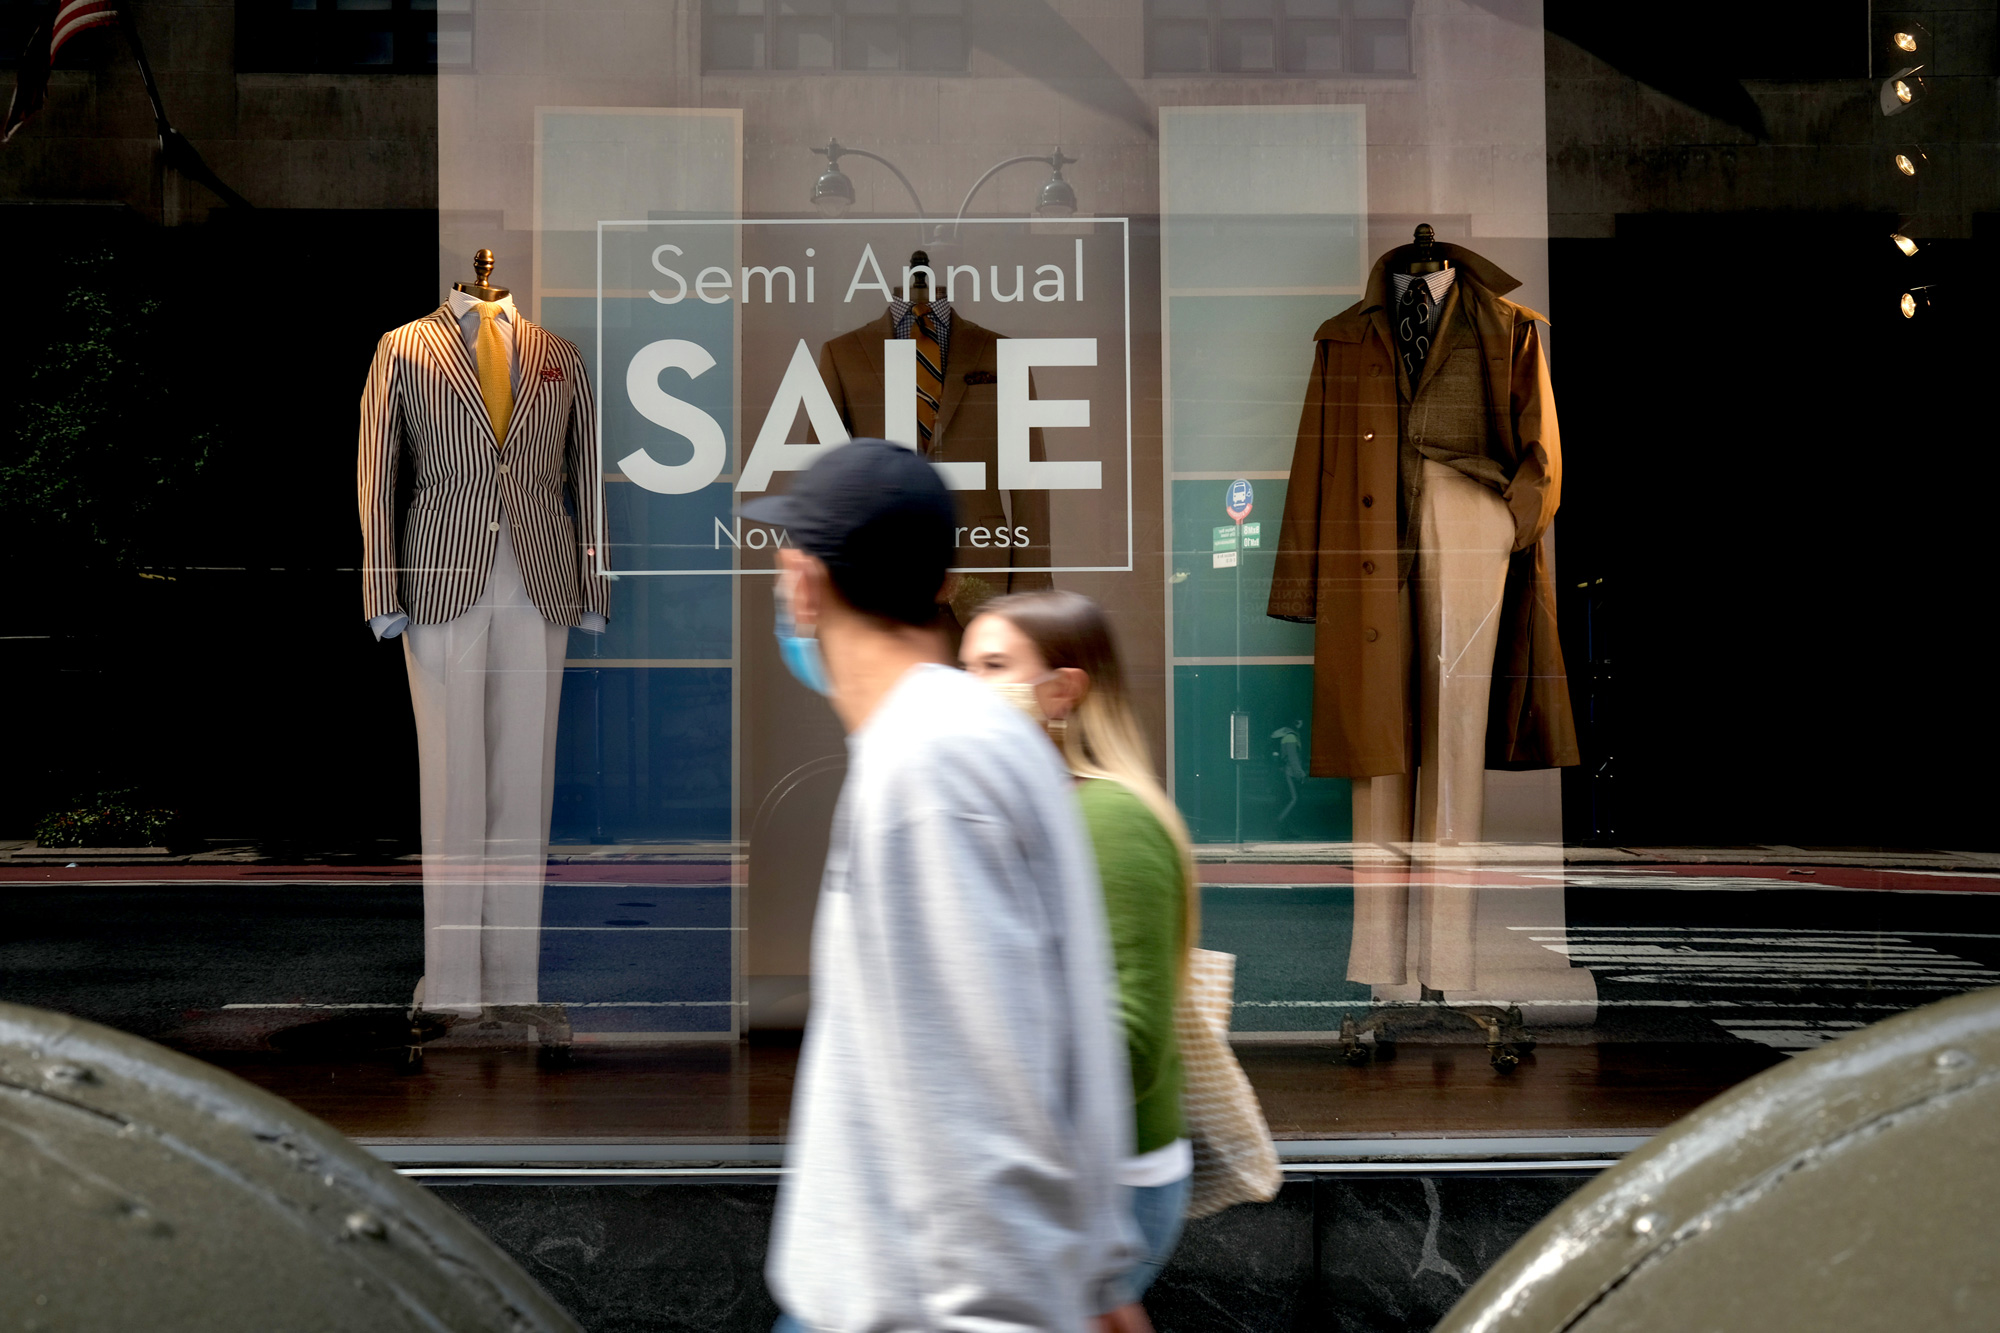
(961, 1109)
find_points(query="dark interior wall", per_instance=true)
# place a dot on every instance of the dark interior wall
(197, 634)
(1773, 547)
(1773, 551)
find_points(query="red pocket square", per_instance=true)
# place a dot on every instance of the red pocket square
(551, 374)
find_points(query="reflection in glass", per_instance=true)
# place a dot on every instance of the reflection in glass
(375, 48)
(833, 193)
(1179, 47)
(1450, 946)
(1903, 243)
(1249, 47)
(805, 43)
(1312, 48)
(937, 44)
(1382, 46)
(732, 34)
(870, 43)
(1058, 197)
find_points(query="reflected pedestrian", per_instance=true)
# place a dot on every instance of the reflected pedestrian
(960, 1113)
(1053, 653)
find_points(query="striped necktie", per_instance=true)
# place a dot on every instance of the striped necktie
(930, 375)
(496, 384)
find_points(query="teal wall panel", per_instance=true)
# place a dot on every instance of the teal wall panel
(1252, 800)
(1220, 612)
(1240, 366)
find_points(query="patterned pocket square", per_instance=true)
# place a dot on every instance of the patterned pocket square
(551, 374)
(980, 377)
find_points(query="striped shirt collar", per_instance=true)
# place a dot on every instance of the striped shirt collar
(1439, 282)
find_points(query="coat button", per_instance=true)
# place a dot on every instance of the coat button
(1367, 566)
(493, 527)
(1370, 635)
(503, 469)
(1367, 502)
(1369, 436)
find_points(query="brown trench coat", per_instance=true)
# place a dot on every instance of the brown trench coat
(1337, 544)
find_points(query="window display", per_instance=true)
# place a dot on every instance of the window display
(1412, 541)
(482, 573)
(1541, 780)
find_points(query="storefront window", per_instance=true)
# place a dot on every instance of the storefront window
(1517, 451)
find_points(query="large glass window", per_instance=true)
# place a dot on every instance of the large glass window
(1564, 662)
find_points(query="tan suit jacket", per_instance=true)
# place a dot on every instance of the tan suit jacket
(968, 430)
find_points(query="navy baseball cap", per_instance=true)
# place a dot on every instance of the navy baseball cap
(880, 518)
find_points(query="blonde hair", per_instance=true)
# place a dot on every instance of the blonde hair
(1101, 739)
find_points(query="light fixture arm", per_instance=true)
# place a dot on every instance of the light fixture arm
(1055, 161)
(835, 150)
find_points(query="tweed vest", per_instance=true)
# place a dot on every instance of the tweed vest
(1447, 419)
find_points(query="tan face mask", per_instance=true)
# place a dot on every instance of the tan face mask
(1021, 694)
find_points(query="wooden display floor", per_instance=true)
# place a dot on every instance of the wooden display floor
(742, 1093)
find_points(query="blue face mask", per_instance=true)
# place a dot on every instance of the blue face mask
(801, 654)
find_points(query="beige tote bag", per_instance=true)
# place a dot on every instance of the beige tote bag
(1234, 1158)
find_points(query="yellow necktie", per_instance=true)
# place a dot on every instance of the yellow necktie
(496, 385)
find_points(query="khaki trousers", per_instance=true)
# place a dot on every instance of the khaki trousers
(485, 688)
(1465, 537)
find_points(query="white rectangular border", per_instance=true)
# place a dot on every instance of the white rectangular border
(736, 417)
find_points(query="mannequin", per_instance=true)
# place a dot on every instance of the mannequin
(1427, 471)
(1000, 532)
(1435, 648)
(482, 576)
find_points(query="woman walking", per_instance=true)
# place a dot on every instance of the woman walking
(1052, 655)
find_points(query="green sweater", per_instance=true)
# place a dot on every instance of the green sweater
(1145, 902)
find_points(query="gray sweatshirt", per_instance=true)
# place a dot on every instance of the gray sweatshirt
(963, 1103)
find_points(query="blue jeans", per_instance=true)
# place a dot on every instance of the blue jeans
(1159, 1210)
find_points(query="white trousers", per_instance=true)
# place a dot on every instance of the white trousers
(1465, 537)
(485, 688)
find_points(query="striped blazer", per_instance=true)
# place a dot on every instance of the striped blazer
(422, 402)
